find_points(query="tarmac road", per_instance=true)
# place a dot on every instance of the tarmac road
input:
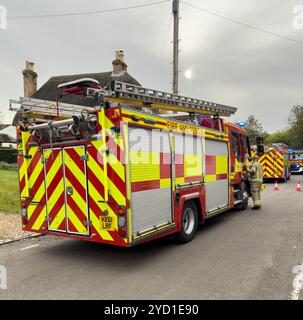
(237, 255)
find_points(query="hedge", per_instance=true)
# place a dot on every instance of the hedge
(8, 155)
(8, 166)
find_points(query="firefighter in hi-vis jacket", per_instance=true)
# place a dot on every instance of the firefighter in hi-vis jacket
(256, 181)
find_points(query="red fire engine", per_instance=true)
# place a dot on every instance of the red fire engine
(122, 174)
(275, 160)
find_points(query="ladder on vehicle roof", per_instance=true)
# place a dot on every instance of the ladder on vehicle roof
(129, 94)
(167, 101)
(47, 108)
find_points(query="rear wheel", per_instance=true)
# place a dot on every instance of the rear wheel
(189, 223)
(284, 179)
(241, 197)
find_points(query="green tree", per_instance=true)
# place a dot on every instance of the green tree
(254, 129)
(282, 136)
(296, 124)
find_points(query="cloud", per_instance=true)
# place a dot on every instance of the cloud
(231, 64)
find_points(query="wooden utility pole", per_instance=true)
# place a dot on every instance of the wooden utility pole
(176, 7)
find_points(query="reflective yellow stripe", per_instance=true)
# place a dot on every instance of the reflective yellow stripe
(192, 165)
(180, 180)
(145, 166)
(210, 178)
(165, 183)
(221, 164)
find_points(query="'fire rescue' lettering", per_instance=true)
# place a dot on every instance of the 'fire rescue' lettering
(181, 127)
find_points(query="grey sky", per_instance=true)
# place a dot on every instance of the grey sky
(230, 64)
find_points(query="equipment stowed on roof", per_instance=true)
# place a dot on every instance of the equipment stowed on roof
(168, 101)
(120, 92)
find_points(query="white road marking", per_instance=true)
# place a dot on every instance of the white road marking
(297, 282)
(30, 247)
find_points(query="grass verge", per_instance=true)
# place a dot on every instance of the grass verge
(9, 192)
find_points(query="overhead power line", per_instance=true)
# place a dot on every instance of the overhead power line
(166, 37)
(242, 23)
(67, 14)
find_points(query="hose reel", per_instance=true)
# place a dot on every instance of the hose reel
(54, 131)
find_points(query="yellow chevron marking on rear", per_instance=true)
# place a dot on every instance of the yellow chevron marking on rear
(95, 221)
(32, 152)
(36, 171)
(51, 202)
(109, 124)
(41, 190)
(58, 219)
(81, 203)
(273, 167)
(95, 168)
(77, 172)
(40, 193)
(117, 166)
(116, 194)
(39, 221)
(75, 221)
(25, 137)
(24, 192)
(270, 170)
(78, 199)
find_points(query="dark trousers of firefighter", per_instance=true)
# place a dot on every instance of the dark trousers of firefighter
(255, 188)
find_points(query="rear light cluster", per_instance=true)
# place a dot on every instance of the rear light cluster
(121, 212)
(23, 203)
(24, 216)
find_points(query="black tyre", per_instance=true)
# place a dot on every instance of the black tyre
(243, 196)
(283, 180)
(189, 223)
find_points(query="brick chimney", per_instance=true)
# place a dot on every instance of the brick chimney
(119, 66)
(29, 79)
